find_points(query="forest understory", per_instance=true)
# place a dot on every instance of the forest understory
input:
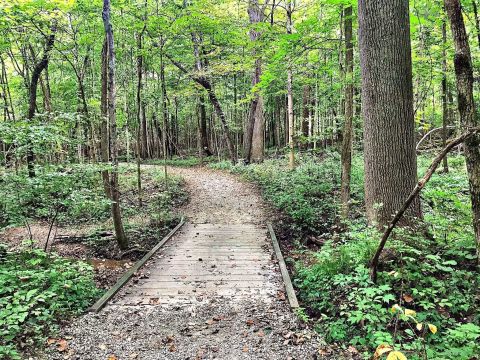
(352, 126)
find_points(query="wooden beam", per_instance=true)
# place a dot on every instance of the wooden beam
(123, 280)
(292, 298)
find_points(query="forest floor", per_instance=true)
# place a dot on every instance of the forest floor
(222, 327)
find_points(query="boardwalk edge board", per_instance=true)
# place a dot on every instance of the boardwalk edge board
(123, 280)
(292, 298)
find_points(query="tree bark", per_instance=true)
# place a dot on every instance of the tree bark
(444, 94)
(348, 126)
(414, 195)
(466, 107)
(254, 134)
(205, 149)
(115, 193)
(387, 106)
(104, 136)
(32, 103)
(291, 121)
(306, 115)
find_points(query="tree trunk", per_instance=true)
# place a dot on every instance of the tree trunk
(203, 128)
(115, 193)
(104, 142)
(142, 123)
(444, 95)
(254, 134)
(291, 124)
(306, 115)
(466, 107)
(348, 126)
(387, 106)
(32, 103)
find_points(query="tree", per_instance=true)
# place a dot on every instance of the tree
(255, 128)
(466, 107)
(387, 107)
(114, 191)
(41, 65)
(348, 126)
(291, 121)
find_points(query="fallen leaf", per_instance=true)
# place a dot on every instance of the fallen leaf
(352, 350)
(112, 357)
(51, 341)
(407, 298)
(133, 355)
(154, 301)
(280, 295)
(245, 348)
(172, 348)
(62, 345)
(102, 347)
(210, 322)
(249, 322)
(261, 333)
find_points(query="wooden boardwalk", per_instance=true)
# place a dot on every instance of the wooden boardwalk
(204, 262)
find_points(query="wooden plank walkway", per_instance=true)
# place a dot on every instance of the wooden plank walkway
(202, 262)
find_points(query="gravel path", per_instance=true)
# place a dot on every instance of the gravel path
(214, 327)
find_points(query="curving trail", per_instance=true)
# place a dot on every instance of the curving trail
(213, 292)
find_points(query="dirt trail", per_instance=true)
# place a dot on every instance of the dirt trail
(229, 304)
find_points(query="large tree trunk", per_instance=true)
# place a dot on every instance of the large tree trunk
(32, 103)
(466, 107)
(387, 105)
(115, 193)
(348, 126)
(254, 134)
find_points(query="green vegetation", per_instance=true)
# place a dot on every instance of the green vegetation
(429, 270)
(37, 290)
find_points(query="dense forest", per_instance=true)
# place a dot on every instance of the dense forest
(357, 122)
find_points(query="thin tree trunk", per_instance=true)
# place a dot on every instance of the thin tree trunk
(466, 107)
(444, 95)
(104, 142)
(202, 123)
(115, 193)
(32, 103)
(348, 126)
(291, 123)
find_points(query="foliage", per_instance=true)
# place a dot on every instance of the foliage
(306, 194)
(441, 288)
(334, 283)
(36, 291)
(73, 191)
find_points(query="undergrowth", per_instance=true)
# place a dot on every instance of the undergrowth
(426, 300)
(37, 290)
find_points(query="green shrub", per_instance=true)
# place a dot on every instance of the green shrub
(36, 290)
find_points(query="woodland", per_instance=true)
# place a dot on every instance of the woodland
(357, 121)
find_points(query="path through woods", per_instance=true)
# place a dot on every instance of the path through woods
(214, 291)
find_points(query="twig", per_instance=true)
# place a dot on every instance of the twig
(420, 185)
